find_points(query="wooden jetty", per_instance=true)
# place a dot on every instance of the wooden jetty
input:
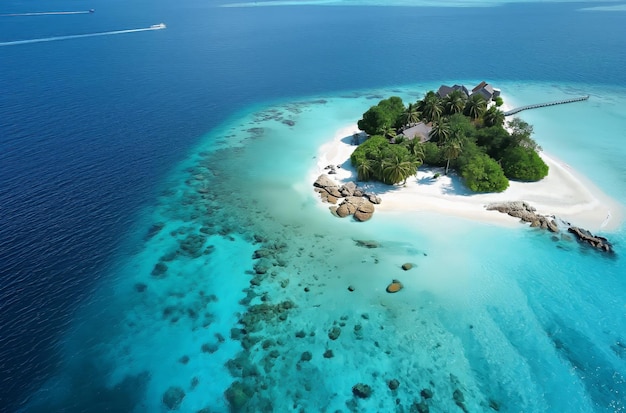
(543, 105)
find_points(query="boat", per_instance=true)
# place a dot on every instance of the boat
(92, 10)
(158, 26)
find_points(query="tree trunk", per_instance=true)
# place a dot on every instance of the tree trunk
(447, 166)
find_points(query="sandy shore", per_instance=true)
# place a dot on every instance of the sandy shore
(563, 193)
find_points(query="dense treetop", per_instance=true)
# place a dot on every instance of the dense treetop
(468, 135)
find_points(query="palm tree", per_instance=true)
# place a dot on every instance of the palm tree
(365, 170)
(396, 169)
(440, 131)
(452, 147)
(475, 106)
(411, 115)
(415, 148)
(493, 117)
(454, 102)
(431, 107)
(388, 131)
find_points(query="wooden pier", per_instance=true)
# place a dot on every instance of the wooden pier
(543, 105)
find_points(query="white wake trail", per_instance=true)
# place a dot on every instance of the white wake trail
(47, 13)
(79, 36)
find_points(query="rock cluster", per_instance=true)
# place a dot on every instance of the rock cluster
(355, 202)
(526, 213)
(594, 240)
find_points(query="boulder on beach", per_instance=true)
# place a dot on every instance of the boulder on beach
(364, 211)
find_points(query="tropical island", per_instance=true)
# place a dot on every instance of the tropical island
(452, 153)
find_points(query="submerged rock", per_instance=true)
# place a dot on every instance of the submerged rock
(366, 244)
(394, 287)
(173, 397)
(328, 354)
(427, 393)
(407, 266)
(238, 395)
(159, 270)
(393, 384)
(334, 333)
(361, 390)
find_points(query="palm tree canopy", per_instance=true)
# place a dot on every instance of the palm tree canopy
(440, 131)
(475, 106)
(454, 102)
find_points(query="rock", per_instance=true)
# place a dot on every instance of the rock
(394, 287)
(262, 266)
(159, 270)
(262, 253)
(393, 384)
(407, 266)
(173, 397)
(364, 211)
(348, 189)
(306, 356)
(373, 198)
(209, 348)
(585, 236)
(343, 210)
(361, 390)
(324, 182)
(192, 245)
(300, 334)
(334, 333)
(328, 354)
(458, 396)
(427, 393)
(366, 244)
(420, 407)
(350, 288)
(184, 360)
(237, 395)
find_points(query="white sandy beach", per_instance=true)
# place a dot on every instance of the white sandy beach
(563, 193)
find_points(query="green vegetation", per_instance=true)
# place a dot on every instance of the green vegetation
(378, 159)
(467, 135)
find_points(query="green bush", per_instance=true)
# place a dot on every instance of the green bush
(433, 155)
(523, 164)
(483, 174)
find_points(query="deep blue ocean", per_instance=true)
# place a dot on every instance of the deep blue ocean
(91, 129)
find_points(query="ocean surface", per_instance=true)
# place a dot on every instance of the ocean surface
(160, 240)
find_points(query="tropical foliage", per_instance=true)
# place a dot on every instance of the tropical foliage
(467, 135)
(383, 118)
(381, 160)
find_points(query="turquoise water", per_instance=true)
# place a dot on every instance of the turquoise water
(507, 316)
(142, 173)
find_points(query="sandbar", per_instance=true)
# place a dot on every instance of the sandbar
(564, 193)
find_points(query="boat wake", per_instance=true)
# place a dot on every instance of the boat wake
(159, 26)
(48, 13)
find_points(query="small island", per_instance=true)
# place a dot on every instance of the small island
(452, 153)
